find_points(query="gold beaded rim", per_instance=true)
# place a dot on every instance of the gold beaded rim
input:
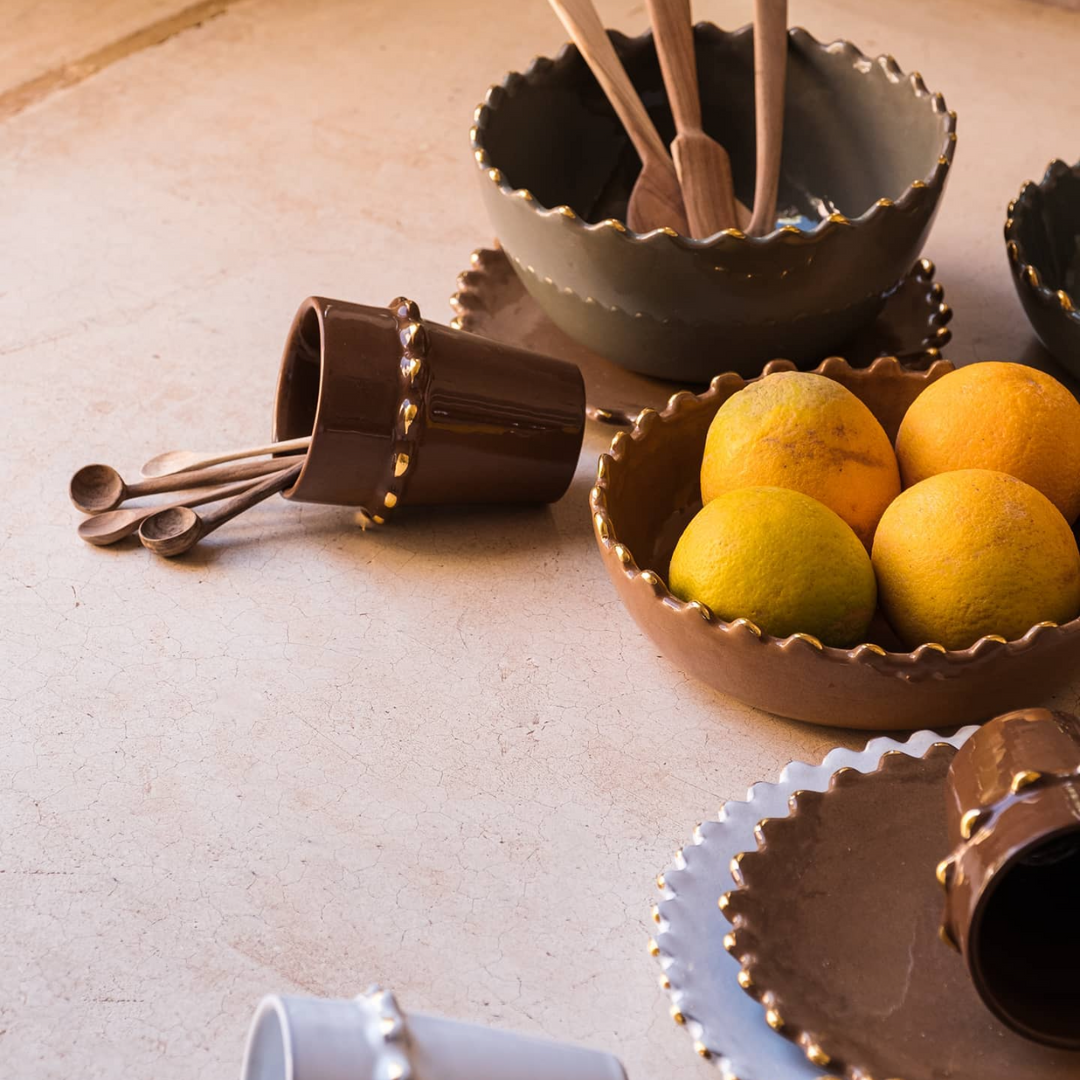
(1025, 273)
(414, 377)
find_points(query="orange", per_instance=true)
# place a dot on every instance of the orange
(1006, 417)
(807, 433)
(969, 553)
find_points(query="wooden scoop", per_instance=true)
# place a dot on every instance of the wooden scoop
(113, 525)
(174, 461)
(770, 74)
(177, 529)
(96, 488)
(657, 198)
(702, 164)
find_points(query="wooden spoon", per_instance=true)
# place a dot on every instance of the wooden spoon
(173, 461)
(113, 525)
(770, 74)
(96, 488)
(657, 198)
(178, 529)
(702, 164)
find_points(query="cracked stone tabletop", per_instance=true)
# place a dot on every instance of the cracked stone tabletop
(305, 758)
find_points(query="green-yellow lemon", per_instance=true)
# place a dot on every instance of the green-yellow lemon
(782, 560)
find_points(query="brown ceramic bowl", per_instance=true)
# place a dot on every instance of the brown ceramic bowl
(866, 154)
(646, 492)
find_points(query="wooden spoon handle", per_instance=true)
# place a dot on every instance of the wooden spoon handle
(583, 24)
(254, 494)
(770, 69)
(674, 34)
(154, 467)
(244, 470)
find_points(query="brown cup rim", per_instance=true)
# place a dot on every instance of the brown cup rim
(413, 373)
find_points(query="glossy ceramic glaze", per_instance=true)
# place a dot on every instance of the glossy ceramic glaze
(700, 976)
(492, 301)
(1042, 240)
(401, 409)
(647, 491)
(1012, 881)
(370, 1037)
(866, 155)
(834, 922)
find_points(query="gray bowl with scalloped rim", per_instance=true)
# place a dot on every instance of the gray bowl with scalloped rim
(1042, 239)
(866, 155)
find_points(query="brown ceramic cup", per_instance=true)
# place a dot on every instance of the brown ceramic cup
(1012, 881)
(401, 409)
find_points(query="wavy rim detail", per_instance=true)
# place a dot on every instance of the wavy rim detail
(676, 977)
(897, 663)
(1025, 272)
(786, 234)
(468, 298)
(744, 955)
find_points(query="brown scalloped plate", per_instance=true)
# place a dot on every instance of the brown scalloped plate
(835, 926)
(647, 491)
(491, 301)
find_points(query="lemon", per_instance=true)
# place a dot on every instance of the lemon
(808, 433)
(1006, 417)
(780, 559)
(974, 552)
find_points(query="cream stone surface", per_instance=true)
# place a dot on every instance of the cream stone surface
(304, 758)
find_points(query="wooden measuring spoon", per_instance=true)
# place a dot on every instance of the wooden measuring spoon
(113, 525)
(96, 488)
(173, 461)
(657, 198)
(702, 164)
(177, 529)
(770, 74)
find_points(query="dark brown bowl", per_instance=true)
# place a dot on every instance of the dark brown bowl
(867, 151)
(1041, 234)
(646, 492)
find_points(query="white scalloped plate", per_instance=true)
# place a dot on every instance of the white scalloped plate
(726, 1024)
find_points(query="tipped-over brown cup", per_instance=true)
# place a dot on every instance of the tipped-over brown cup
(403, 410)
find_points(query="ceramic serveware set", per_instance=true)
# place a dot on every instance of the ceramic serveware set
(577, 315)
(836, 938)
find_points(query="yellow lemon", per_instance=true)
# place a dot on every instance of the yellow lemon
(1006, 417)
(808, 433)
(780, 559)
(974, 552)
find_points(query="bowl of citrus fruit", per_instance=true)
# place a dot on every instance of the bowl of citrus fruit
(874, 548)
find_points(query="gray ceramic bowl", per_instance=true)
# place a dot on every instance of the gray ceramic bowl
(866, 155)
(1042, 238)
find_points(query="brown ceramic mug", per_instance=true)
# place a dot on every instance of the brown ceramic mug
(400, 409)
(1012, 881)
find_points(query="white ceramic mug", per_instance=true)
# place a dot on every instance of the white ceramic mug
(369, 1038)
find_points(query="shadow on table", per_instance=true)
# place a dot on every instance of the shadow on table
(462, 535)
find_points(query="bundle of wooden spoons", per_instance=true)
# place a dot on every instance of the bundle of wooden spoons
(690, 189)
(193, 478)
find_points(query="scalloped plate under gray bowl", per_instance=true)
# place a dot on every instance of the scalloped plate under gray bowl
(492, 301)
(701, 978)
(866, 155)
(1042, 239)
